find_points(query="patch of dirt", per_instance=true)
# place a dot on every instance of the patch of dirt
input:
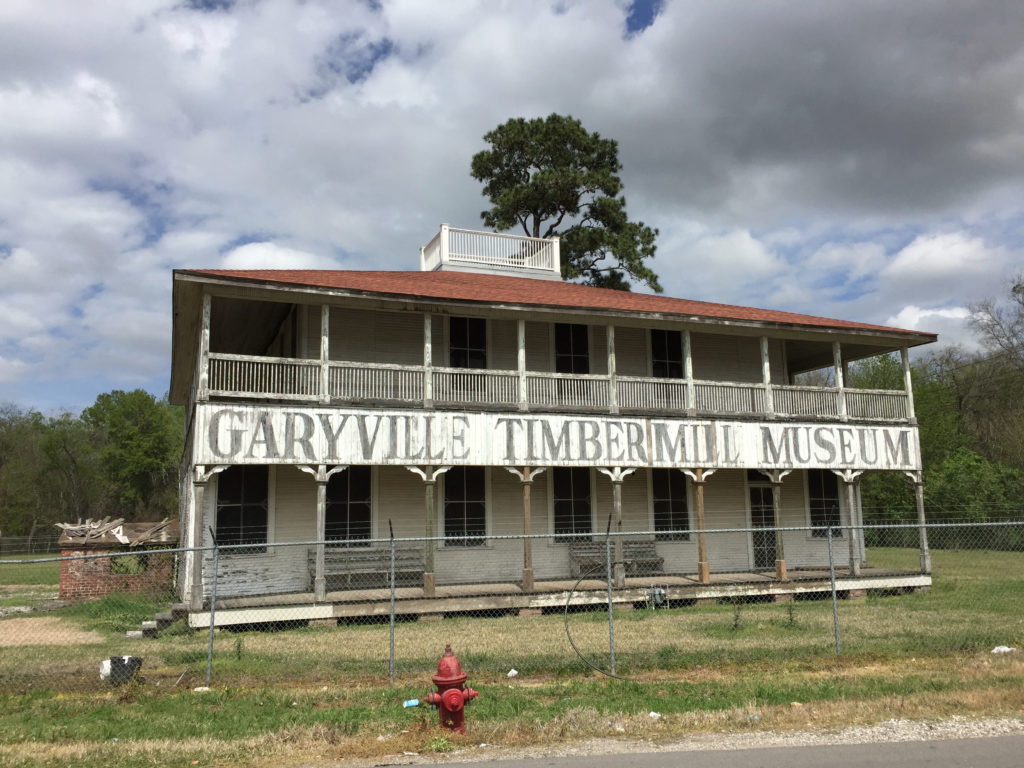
(44, 630)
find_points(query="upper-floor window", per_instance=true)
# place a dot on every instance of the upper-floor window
(242, 506)
(823, 499)
(465, 506)
(666, 354)
(467, 342)
(348, 507)
(573, 519)
(671, 514)
(572, 348)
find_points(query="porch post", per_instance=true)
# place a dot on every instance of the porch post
(837, 361)
(907, 387)
(613, 386)
(521, 363)
(200, 477)
(766, 379)
(429, 476)
(325, 368)
(203, 390)
(617, 475)
(321, 475)
(922, 530)
(850, 478)
(699, 477)
(428, 361)
(691, 394)
(526, 477)
(776, 477)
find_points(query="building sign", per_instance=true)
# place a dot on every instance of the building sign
(280, 435)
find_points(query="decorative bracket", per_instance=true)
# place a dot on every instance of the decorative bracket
(848, 475)
(915, 476)
(775, 475)
(698, 475)
(427, 470)
(617, 474)
(528, 473)
(202, 473)
(320, 472)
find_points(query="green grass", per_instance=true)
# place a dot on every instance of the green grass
(14, 571)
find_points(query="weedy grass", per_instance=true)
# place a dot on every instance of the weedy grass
(14, 570)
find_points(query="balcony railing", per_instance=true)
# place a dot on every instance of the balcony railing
(273, 378)
(533, 256)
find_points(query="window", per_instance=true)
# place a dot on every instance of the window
(467, 342)
(823, 498)
(465, 506)
(242, 496)
(572, 503)
(666, 354)
(348, 508)
(572, 350)
(762, 518)
(671, 515)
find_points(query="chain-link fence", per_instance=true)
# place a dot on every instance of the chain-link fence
(639, 604)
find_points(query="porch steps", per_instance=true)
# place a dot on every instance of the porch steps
(160, 622)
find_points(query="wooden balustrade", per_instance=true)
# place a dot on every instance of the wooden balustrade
(476, 387)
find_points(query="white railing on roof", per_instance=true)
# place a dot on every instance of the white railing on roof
(492, 251)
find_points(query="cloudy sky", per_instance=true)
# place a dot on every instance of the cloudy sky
(862, 160)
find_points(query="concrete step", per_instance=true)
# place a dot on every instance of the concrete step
(164, 620)
(150, 629)
(133, 634)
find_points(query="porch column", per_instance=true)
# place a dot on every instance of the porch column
(521, 363)
(837, 361)
(200, 477)
(691, 393)
(526, 477)
(429, 475)
(617, 475)
(907, 387)
(428, 361)
(699, 478)
(325, 367)
(766, 379)
(776, 477)
(850, 478)
(203, 390)
(613, 386)
(321, 475)
(922, 530)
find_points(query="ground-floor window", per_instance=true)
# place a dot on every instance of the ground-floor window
(671, 513)
(348, 508)
(572, 503)
(242, 507)
(465, 506)
(823, 499)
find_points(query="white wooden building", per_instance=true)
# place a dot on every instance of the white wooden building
(482, 396)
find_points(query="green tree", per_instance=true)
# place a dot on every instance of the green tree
(550, 176)
(141, 440)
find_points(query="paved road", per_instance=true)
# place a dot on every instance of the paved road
(992, 752)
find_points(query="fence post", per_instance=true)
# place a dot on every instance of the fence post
(832, 578)
(608, 581)
(391, 610)
(213, 609)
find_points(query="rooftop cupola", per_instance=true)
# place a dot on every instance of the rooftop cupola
(466, 250)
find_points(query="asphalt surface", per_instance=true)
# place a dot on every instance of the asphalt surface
(991, 752)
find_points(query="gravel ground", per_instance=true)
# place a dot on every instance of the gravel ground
(889, 731)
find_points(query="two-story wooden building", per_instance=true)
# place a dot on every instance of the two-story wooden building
(483, 396)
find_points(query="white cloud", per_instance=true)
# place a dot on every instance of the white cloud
(273, 256)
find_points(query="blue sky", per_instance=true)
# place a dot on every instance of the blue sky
(856, 160)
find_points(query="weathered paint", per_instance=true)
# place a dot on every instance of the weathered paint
(242, 434)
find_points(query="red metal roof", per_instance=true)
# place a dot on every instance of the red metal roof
(499, 289)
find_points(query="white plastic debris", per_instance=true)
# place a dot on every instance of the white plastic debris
(105, 669)
(655, 716)
(1003, 649)
(201, 689)
(512, 673)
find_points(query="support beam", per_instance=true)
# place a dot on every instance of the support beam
(526, 477)
(321, 475)
(850, 478)
(617, 475)
(837, 361)
(428, 360)
(200, 478)
(521, 363)
(429, 475)
(766, 378)
(699, 478)
(776, 477)
(691, 393)
(325, 354)
(907, 385)
(203, 389)
(922, 530)
(613, 387)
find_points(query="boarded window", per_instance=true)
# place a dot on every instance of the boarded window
(467, 342)
(666, 354)
(242, 495)
(572, 503)
(465, 506)
(823, 496)
(572, 350)
(348, 508)
(671, 515)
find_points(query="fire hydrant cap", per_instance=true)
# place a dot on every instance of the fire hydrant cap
(448, 668)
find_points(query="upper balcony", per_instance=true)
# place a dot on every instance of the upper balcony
(467, 250)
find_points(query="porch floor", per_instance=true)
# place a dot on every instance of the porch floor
(551, 594)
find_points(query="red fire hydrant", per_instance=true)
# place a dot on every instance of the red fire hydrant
(452, 696)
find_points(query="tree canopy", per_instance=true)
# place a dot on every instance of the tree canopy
(550, 176)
